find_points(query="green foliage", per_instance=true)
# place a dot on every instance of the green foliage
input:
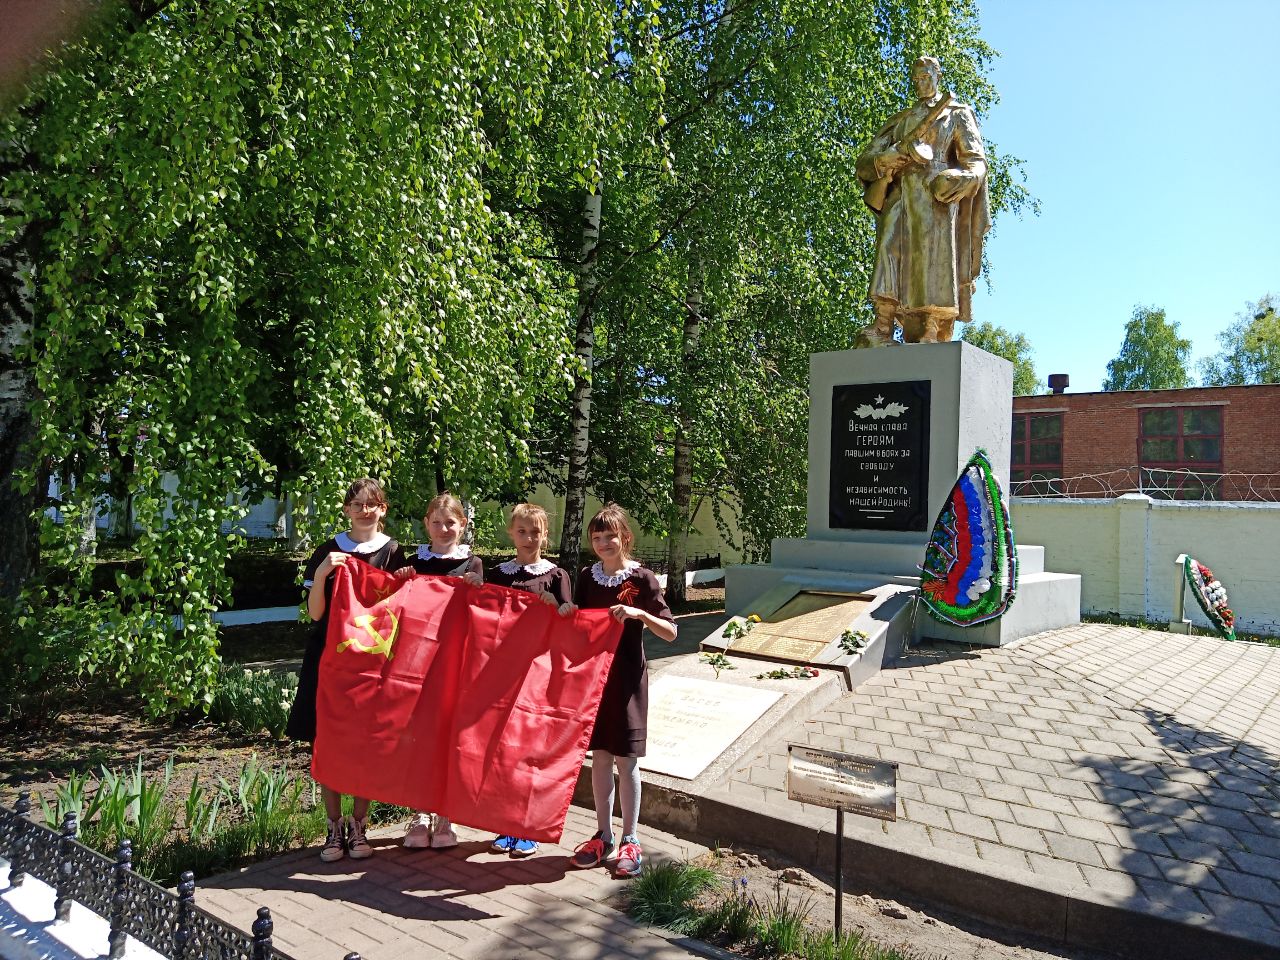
(123, 805)
(732, 918)
(717, 662)
(788, 673)
(357, 254)
(262, 814)
(1014, 347)
(1152, 357)
(852, 641)
(780, 927)
(303, 281)
(1250, 348)
(380, 812)
(664, 894)
(254, 700)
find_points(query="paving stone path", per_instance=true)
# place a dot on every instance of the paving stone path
(1140, 765)
(463, 903)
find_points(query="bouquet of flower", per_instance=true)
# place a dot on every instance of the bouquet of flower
(1212, 597)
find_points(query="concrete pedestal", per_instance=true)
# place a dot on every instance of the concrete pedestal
(969, 402)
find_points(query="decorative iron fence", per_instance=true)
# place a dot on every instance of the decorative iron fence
(173, 926)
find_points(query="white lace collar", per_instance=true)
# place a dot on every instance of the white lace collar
(607, 580)
(372, 545)
(460, 551)
(513, 566)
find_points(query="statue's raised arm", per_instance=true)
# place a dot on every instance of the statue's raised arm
(926, 180)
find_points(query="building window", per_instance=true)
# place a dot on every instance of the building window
(1036, 453)
(1180, 452)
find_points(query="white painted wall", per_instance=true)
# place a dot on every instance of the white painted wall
(1124, 550)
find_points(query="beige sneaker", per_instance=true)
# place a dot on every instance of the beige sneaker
(418, 833)
(357, 846)
(443, 836)
(334, 848)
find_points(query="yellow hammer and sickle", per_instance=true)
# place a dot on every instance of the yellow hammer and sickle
(381, 644)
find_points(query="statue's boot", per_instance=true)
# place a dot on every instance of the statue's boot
(880, 333)
(929, 325)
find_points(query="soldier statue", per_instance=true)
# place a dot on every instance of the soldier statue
(926, 180)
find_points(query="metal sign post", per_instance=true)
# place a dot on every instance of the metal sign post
(862, 785)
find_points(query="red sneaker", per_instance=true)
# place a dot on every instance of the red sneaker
(630, 859)
(591, 853)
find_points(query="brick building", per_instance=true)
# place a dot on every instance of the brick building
(1210, 443)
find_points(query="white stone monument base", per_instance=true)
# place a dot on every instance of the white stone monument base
(970, 404)
(1044, 601)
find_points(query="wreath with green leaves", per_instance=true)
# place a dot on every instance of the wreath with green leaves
(1211, 595)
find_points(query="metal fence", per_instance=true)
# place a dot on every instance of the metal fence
(1156, 483)
(173, 926)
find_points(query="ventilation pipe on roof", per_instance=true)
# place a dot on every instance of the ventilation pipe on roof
(1058, 382)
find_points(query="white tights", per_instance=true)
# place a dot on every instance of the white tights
(602, 764)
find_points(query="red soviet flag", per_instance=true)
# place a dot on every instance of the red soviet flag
(473, 702)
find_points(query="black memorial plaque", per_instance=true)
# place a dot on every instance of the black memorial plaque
(880, 456)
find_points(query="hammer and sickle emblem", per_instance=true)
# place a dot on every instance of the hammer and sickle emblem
(380, 643)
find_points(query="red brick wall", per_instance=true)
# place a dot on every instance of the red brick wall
(1100, 430)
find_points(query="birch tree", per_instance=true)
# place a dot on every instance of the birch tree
(265, 258)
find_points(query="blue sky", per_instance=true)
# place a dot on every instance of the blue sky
(1150, 132)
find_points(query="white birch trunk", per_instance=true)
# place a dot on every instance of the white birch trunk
(575, 498)
(682, 466)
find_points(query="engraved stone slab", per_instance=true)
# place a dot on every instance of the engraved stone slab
(880, 456)
(691, 722)
(801, 629)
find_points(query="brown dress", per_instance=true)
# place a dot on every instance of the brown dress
(424, 561)
(622, 723)
(553, 580)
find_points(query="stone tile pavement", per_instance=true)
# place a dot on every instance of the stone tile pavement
(463, 903)
(1134, 768)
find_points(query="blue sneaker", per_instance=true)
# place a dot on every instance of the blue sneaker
(502, 844)
(523, 848)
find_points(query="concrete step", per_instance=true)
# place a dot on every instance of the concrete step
(1044, 601)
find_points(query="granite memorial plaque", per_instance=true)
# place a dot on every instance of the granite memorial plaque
(800, 630)
(691, 722)
(880, 456)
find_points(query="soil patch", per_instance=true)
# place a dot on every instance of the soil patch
(85, 737)
(915, 929)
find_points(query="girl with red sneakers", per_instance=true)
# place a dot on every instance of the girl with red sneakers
(633, 596)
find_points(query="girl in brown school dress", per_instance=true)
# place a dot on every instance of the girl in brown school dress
(445, 522)
(527, 570)
(634, 597)
(365, 505)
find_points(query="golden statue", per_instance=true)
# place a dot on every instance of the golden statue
(926, 180)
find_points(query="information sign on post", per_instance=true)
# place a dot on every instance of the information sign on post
(844, 781)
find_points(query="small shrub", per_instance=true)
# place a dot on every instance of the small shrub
(664, 894)
(271, 817)
(780, 929)
(732, 919)
(254, 700)
(824, 946)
